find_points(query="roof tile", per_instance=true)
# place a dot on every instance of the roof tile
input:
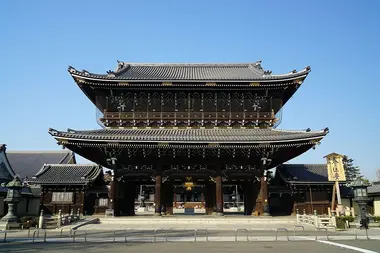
(67, 174)
(191, 135)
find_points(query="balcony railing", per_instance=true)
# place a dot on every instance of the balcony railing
(192, 116)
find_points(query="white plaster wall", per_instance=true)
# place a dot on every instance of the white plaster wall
(376, 206)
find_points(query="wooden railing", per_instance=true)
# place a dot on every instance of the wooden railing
(188, 116)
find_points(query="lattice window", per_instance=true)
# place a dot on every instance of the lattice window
(63, 197)
(103, 202)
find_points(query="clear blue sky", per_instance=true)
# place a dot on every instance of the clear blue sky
(338, 39)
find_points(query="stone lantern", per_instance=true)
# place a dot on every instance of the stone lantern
(361, 197)
(11, 219)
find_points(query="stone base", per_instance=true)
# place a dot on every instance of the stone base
(142, 209)
(7, 225)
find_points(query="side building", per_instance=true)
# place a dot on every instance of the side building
(305, 187)
(26, 164)
(72, 188)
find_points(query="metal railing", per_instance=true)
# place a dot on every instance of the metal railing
(282, 229)
(327, 233)
(125, 234)
(38, 234)
(128, 233)
(5, 235)
(298, 226)
(85, 235)
(166, 234)
(241, 229)
(196, 231)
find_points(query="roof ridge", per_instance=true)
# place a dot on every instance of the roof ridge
(295, 164)
(37, 151)
(71, 164)
(92, 174)
(43, 170)
(182, 64)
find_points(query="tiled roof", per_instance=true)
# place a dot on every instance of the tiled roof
(27, 163)
(190, 71)
(374, 189)
(304, 173)
(67, 174)
(6, 172)
(190, 135)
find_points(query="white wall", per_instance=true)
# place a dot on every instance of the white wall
(376, 206)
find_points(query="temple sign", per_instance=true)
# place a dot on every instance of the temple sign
(336, 173)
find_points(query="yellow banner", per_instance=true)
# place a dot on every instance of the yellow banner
(335, 168)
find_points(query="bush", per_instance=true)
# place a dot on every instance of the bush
(341, 221)
(29, 221)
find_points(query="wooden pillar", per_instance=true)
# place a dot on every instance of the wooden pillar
(113, 196)
(264, 191)
(168, 198)
(219, 195)
(210, 197)
(248, 198)
(157, 196)
(257, 199)
(203, 198)
(129, 198)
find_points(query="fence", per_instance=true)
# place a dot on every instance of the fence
(186, 235)
(318, 221)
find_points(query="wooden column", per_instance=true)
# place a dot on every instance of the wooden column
(248, 198)
(157, 195)
(210, 197)
(113, 196)
(264, 191)
(129, 198)
(169, 198)
(219, 195)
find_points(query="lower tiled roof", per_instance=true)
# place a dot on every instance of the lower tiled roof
(191, 135)
(67, 174)
(27, 163)
(304, 173)
(374, 189)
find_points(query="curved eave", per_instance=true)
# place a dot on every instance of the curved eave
(110, 80)
(59, 183)
(60, 136)
(309, 183)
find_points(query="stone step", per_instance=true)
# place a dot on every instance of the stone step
(216, 221)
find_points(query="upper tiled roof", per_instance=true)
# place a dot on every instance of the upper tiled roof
(374, 189)
(304, 173)
(27, 163)
(190, 135)
(189, 72)
(67, 174)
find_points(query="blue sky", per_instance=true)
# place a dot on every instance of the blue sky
(338, 39)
